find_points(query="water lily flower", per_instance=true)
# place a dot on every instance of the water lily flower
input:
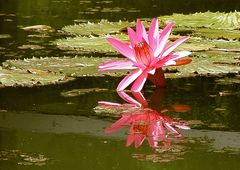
(147, 54)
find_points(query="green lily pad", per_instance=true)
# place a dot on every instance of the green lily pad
(17, 77)
(210, 63)
(100, 45)
(213, 20)
(74, 67)
(103, 27)
(86, 44)
(208, 33)
(38, 28)
(32, 47)
(5, 36)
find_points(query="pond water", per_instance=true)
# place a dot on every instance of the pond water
(63, 127)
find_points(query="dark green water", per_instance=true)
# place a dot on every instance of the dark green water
(56, 127)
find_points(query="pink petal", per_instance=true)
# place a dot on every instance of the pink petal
(180, 108)
(170, 128)
(152, 142)
(153, 34)
(128, 99)
(133, 37)
(141, 31)
(139, 82)
(183, 61)
(139, 138)
(139, 96)
(125, 120)
(129, 79)
(183, 127)
(116, 65)
(130, 139)
(176, 56)
(123, 48)
(174, 45)
(131, 136)
(105, 103)
(163, 39)
(168, 59)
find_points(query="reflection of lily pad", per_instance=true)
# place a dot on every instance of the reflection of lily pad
(229, 81)
(103, 27)
(24, 78)
(214, 20)
(23, 158)
(78, 92)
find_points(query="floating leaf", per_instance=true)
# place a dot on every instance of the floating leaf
(39, 28)
(4, 36)
(32, 47)
(18, 77)
(103, 27)
(100, 45)
(86, 44)
(208, 33)
(204, 64)
(75, 67)
(213, 20)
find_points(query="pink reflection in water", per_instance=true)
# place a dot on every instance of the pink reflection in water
(152, 124)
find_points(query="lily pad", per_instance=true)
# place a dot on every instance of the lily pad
(4, 36)
(19, 77)
(213, 20)
(207, 64)
(208, 33)
(32, 47)
(86, 44)
(74, 67)
(103, 27)
(100, 45)
(38, 28)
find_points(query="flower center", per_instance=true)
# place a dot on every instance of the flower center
(143, 53)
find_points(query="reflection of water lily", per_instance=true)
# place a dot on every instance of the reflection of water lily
(144, 122)
(146, 54)
(147, 124)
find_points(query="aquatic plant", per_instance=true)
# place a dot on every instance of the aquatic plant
(147, 54)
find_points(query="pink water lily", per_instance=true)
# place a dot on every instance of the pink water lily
(147, 54)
